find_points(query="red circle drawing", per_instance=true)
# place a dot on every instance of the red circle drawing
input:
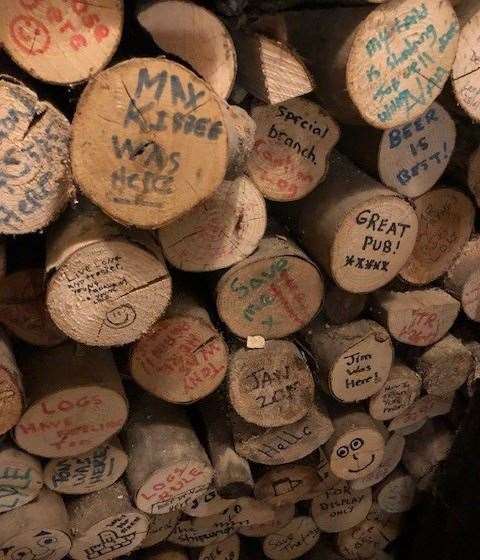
(30, 34)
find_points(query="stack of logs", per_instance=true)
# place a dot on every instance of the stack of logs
(260, 276)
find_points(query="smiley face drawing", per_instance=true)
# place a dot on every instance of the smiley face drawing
(357, 453)
(120, 317)
(37, 545)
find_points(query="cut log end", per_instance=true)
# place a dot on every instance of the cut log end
(293, 540)
(21, 479)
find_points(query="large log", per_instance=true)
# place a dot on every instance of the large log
(12, 395)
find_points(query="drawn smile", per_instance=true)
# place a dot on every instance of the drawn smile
(363, 468)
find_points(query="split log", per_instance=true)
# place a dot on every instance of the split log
(445, 366)
(396, 493)
(359, 231)
(341, 507)
(271, 386)
(208, 504)
(353, 360)
(293, 540)
(167, 464)
(11, 387)
(160, 527)
(417, 317)
(445, 218)
(283, 515)
(401, 389)
(232, 475)
(363, 73)
(269, 69)
(35, 166)
(23, 310)
(70, 414)
(285, 484)
(166, 551)
(293, 141)
(273, 293)
(465, 80)
(107, 286)
(121, 164)
(195, 35)
(219, 233)
(39, 529)
(89, 472)
(21, 478)
(105, 524)
(463, 281)
(391, 458)
(409, 159)
(357, 445)
(182, 358)
(415, 416)
(343, 307)
(44, 40)
(285, 444)
(229, 549)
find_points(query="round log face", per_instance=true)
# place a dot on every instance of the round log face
(373, 243)
(149, 142)
(160, 527)
(229, 549)
(36, 544)
(21, 479)
(293, 540)
(181, 360)
(210, 503)
(470, 296)
(71, 421)
(391, 78)
(11, 400)
(61, 42)
(283, 515)
(35, 168)
(108, 293)
(413, 157)
(111, 537)
(397, 495)
(293, 141)
(286, 484)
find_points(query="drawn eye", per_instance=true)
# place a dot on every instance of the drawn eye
(47, 541)
(22, 554)
(342, 452)
(356, 444)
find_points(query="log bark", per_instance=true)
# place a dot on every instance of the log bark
(107, 286)
(70, 415)
(293, 540)
(342, 307)
(167, 464)
(105, 524)
(166, 551)
(273, 293)
(12, 395)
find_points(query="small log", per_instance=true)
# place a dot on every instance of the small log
(353, 360)
(293, 141)
(359, 231)
(342, 307)
(100, 278)
(35, 167)
(445, 218)
(118, 151)
(241, 128)
(357, 445)
(21, 478)
(391, 458)
(88, 472)
(293, 540)
(401, 389)
(409, 159)
(285, 444)
(326, 479)
(70, 414)
(396, 493)
(465, 81)
(219, 233)
(167, 464)
(64, 44)
(445, 366)
(269, 69)
(23, 310)
(341, 507)
(195, 35)
(229, 549)
(11, 387)
(285, 484)
(271, 386)
(208, 504)
(358, 76)
(183, 357)
(273, 293)
(417, 317)
(232, 475)
(283, 515)
(166, 551)
(160, 527)
(428, 406)
(105, 524)
(40, 529)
